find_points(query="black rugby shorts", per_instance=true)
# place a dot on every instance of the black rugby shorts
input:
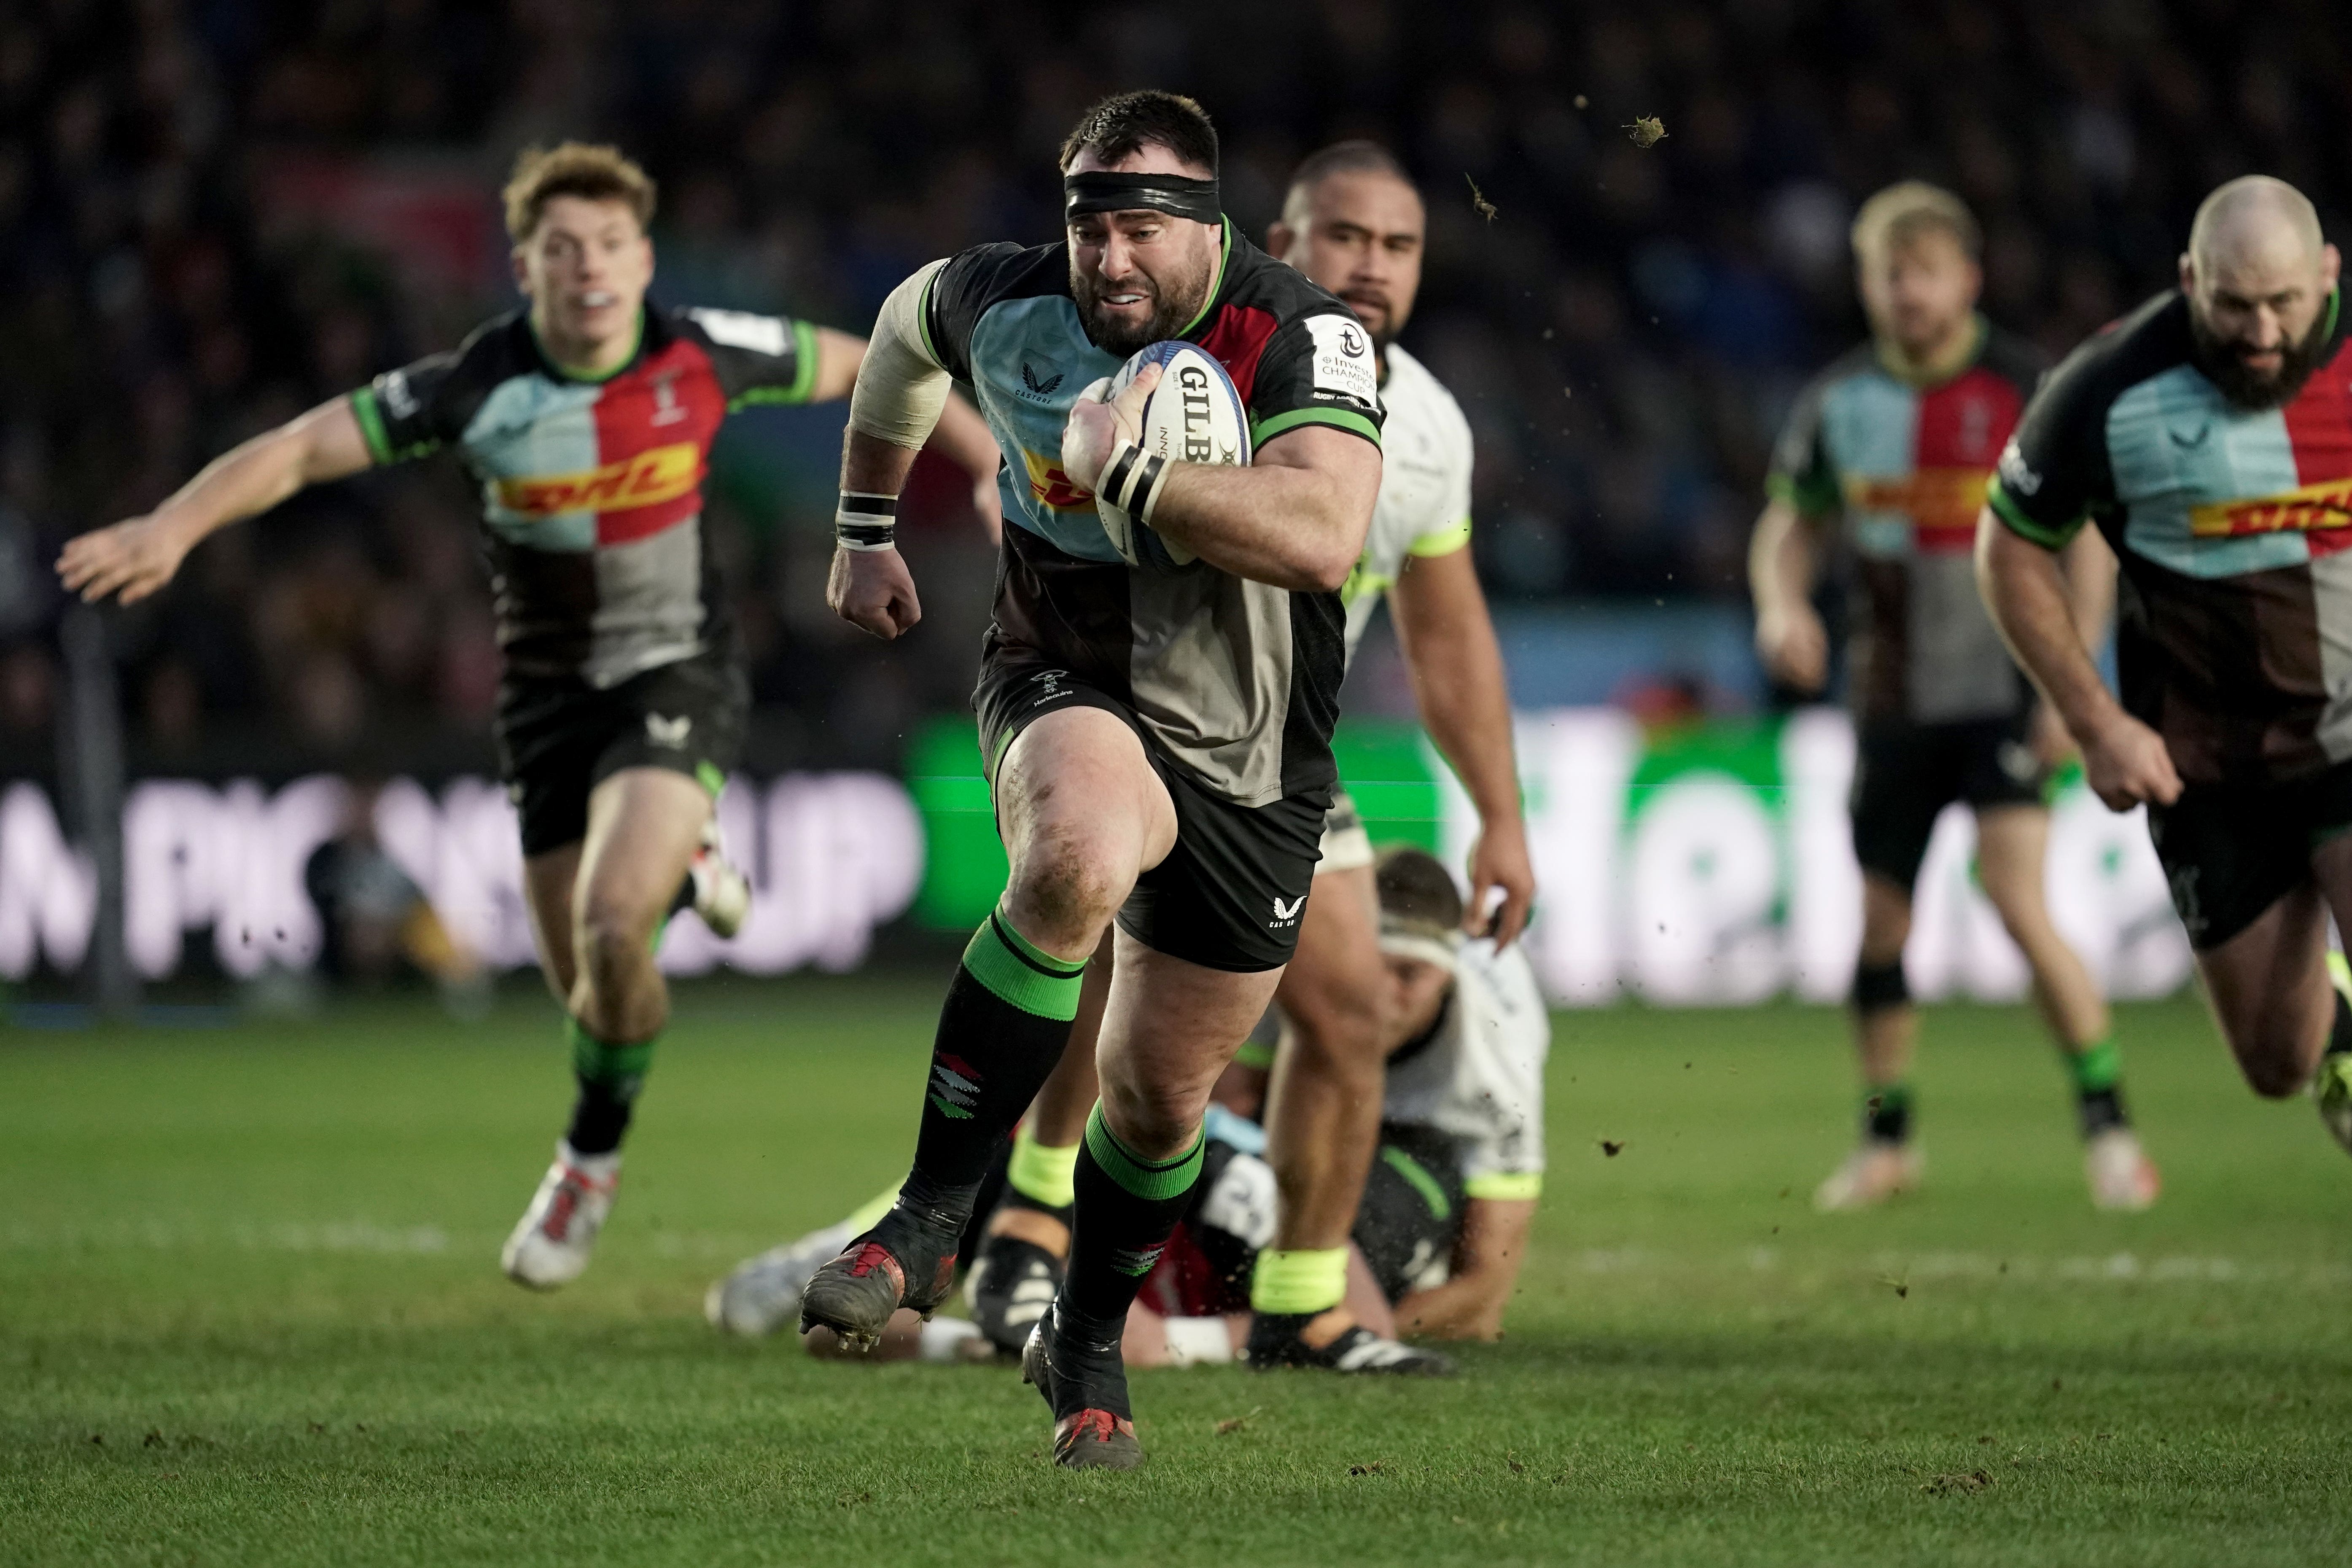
(1231, 892)
(2230, 851)
(1905, 774)
(559, 739)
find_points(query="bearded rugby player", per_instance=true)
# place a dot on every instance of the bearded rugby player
(2208, 435)
(1158, 738)
(1892, 446)
(1353, 223)
(588, 418)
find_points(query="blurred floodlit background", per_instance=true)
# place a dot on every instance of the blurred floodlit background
(214, 213)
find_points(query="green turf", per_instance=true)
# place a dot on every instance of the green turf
(249, 1313)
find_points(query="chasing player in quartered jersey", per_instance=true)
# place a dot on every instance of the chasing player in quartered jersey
(1894, 445)
(587, 419)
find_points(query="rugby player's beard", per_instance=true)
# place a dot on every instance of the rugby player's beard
(2218, 359)
(1174, 306)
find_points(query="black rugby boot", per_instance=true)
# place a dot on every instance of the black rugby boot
(1085, 1385)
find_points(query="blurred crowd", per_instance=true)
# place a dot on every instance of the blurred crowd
(213, 213)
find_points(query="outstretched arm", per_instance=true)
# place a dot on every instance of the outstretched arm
(2025, 587)
(1486, 1259)
(1296, 517)
(134, 558)
(1456, 668)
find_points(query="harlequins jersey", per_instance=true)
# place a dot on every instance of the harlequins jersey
(2234, 531)
(592, 487)
(1907, 466)
(1238, 681)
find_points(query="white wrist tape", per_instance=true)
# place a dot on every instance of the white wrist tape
(865, 521)
(1132, 480)
(900, 387)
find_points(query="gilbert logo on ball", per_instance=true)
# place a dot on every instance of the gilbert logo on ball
(1193, 415)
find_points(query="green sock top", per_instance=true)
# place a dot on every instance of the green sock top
(2097, 1068)
(619, 1069)
(1018, 972)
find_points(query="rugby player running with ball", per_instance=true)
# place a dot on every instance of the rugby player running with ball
(1892, 446)
(1354, 224)
(1158, 740)
(2208, 435)
(588, 417)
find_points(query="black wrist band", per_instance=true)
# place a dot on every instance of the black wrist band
(865, 521)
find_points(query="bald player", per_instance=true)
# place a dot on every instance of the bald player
(2209, 436)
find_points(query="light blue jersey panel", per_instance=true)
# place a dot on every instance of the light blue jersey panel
(531, 428)
(1030, 359)
(2177, 443)
(1870, 426)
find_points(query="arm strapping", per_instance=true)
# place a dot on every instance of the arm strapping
(900, 387)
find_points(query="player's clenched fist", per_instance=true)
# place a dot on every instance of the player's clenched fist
(2125, 764)
(873, 590)
(1096, 427)
(1794, 647)
(132, 559)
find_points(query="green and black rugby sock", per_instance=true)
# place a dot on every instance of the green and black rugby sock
(2098, 1073)
(1128, 1207)
(610, 1077)
(1886, 1114)
(1006, 1019)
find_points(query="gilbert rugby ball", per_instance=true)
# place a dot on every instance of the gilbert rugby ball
(1193, 415)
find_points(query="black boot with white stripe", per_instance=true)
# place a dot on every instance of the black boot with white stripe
(1278, 1339)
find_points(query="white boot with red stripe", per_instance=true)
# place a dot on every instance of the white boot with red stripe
(550, 1246)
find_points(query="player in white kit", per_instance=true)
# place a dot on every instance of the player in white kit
(1353, 223)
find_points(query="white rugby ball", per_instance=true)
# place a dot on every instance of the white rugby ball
(1193, 415)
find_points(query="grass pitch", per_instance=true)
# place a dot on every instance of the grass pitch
(250, 1314)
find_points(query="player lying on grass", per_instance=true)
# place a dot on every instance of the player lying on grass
(1353, 223)
(2208, 435)
(1158, 741)
(1890, 448)
(1442, 1231)
(588, 417)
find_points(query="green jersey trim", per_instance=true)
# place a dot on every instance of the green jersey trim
(805, 369)
(1265, 430)
(1812, 500)
(572, 373)
(1216, 282)
(1505, 1186)
(381, 450)
(2024, 527)
(1441, 540)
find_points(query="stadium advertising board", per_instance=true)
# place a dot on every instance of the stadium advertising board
(1709, 866)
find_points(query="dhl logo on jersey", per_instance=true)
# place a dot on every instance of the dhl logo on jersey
(1931, 498)
(652, 477)
(1054, 487)
(2327, 504)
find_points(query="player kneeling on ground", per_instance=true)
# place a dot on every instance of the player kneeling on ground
(1442, 1230)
